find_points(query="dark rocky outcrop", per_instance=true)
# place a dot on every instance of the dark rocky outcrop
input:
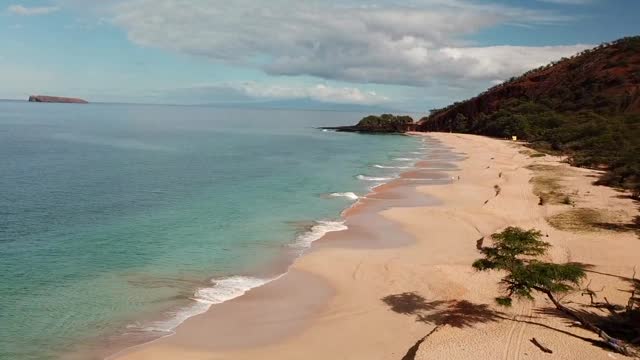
(385, 123)
(56, 99)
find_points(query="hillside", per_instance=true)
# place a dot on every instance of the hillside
(587, 107)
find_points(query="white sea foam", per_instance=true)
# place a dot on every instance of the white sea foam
(391, 167)
(221, 290)
(228, 288)
(372, 178)
(348, 195)
(317, 231)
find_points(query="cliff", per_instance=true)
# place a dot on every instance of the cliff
(56, 99)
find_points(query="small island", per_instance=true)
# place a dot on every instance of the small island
(385, 123)
(56, 99)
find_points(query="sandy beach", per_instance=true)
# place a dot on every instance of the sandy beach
(398, 284)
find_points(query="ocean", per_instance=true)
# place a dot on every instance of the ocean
(128, 219)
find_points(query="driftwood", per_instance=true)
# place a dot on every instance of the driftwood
(634, 289)
(613, 343)
(599, 304)
(540, 346)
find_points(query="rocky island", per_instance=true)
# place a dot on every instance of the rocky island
(385, 123)
(56, 99)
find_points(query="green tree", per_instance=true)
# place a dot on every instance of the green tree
(516, 251)
(460, 123)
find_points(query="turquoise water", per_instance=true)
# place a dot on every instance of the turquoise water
(130, 218)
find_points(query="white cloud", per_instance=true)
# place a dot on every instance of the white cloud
(251, 91)
(498, 62)
(569, 2)
(410, 43)
(319, 92)
(30, 11)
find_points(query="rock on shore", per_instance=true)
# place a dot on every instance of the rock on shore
(56, 99)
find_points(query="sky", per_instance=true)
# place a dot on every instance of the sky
(410, 55)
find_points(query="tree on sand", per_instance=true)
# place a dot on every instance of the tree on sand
(516, 252)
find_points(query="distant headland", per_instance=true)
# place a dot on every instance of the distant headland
(385, 123)
(56, 99)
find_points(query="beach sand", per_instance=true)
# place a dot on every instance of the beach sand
(399, 284)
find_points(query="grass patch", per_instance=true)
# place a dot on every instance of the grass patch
(548, 189)
(532, 153)
(587, 220)
(537, 155)
(546, 184)
(581, 219)
(543, 167)
(567, 200)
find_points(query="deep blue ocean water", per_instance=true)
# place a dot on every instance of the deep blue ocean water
(134, 217)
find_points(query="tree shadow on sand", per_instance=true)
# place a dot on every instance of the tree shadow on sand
(455, 313)
(410, 303)
(463, 314)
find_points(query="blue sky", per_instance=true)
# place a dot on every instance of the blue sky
(412, 55)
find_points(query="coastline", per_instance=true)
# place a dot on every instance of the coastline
(153, 327)
(373, 291)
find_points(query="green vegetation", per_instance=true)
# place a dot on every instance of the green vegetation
(580, 219)
(385, 123)
(587, 219)
(610, 142)
(546, 183)
(516, 252)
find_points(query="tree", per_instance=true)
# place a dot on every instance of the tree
(460, 123)
(516, 252)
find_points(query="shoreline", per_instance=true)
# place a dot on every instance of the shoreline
(398, 191)
(304, 242)
(406, 254)
(382, 194)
